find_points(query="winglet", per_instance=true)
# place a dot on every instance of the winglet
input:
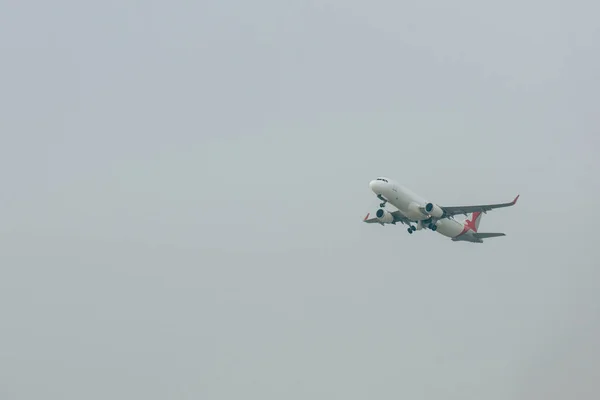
(366, 216)
(515, 200)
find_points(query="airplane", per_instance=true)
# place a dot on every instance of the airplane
(413, 209)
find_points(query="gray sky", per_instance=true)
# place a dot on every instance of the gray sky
(183, 185)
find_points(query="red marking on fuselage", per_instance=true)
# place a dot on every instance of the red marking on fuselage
(469, 224)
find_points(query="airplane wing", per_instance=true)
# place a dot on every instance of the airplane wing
(451, 211)
(398, 217)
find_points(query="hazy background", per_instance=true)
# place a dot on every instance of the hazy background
(183, 185)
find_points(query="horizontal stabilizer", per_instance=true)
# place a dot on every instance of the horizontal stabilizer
(485, 235)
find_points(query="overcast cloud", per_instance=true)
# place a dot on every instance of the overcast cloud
(183, 187)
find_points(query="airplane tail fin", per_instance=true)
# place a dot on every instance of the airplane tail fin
(474, 221)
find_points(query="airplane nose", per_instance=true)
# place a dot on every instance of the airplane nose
(373, 185)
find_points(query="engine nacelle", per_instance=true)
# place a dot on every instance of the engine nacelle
(434, 210)
(384, 216)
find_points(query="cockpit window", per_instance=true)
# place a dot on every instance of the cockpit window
(381, 179)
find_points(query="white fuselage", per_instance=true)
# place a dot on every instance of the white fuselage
(409, 204)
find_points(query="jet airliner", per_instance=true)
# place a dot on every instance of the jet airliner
(413, 209)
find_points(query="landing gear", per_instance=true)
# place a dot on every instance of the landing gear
(433, 227)
(411, 229)
(382, 204)
(384, 201)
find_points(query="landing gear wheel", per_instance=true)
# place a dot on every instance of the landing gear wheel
(382, 205)
(410, 231)
(434, 228)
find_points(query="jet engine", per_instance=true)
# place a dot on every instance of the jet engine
(434, 210)
(384, 216)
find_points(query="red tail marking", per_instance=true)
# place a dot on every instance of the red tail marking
(470, 224)
(366, 216)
